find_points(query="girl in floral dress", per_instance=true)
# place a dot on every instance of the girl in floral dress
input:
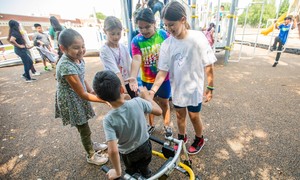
(73, 93)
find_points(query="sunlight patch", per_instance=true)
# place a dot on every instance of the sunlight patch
(223, 154)
(260, 134)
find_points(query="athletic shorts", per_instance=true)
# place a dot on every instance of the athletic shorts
(191, 108)
(163, 92)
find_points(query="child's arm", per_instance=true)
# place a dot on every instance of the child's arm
(156, 110)
(76, 85)
(210, 77)
(135, 66)
(159, 79)
(13, 41)
(294, 24)
(114, 156)
(88, 88)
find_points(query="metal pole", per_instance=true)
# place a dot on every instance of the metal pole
(193, 20)
(258, 30)
(217, 24)
(127, 5)
(277, 13)
(245, 22)
(228, 42)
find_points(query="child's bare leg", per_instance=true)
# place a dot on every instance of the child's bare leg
(164, 104)
(197, 123)
(151, 119)
(181, 120)
(44, 62)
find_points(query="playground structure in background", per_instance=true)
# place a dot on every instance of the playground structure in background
(200, 13)
(272, 27)
(293, 11)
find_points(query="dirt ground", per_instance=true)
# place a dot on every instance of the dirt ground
(251, 125)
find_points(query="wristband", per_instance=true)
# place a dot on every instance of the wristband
(153, 91)
(210, 88)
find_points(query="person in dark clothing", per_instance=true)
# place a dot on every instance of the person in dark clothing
(21, 49)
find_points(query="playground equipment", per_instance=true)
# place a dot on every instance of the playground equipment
(232, 31)
(271, 27)
(293, 10)
(173, 161)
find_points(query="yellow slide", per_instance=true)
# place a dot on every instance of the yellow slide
(271, 28)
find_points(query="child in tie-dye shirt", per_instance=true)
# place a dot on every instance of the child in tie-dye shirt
(145, 52)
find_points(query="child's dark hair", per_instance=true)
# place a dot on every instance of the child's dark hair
(111, 23)
(211, 25)
(107, 85)
(174, 11)
(67, 37)
(14, 27)
(288, 18)
(146, 15)
(55, 24)
(37, 25)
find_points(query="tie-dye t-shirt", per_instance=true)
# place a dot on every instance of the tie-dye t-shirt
(149, 48)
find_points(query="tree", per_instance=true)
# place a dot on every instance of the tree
(255, 11)
(100, 15)
(283, 7)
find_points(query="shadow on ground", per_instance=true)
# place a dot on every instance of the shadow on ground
(251, 125)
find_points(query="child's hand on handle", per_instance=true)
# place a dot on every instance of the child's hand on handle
(112, 174)
(133, 84)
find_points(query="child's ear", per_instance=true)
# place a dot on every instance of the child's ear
(122, 90)
(63, 49)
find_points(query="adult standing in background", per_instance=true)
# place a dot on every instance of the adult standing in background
(54, 31)
(156, 6)
(21, 49)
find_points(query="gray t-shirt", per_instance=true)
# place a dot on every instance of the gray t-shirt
(42, 37)
(128, 124)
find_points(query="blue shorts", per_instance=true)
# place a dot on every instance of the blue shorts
(192, 108)
(163, 92)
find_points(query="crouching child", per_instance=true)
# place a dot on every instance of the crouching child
(125, 126)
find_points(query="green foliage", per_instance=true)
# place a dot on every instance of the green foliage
(255, 11)
(226, 6)
(100, 15)
(284, 7)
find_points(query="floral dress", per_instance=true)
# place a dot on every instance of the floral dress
(68, 105)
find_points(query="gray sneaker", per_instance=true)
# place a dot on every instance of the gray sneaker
(168, 131)
(97, 159)
(150, 129)
(99, 146)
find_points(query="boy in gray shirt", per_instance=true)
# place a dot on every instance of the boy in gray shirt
(125, 126)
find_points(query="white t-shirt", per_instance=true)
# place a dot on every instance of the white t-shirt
(117, 60)
(185, 60)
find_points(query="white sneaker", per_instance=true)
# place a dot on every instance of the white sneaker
(97, 159)
(99, 146)
(36, 73)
